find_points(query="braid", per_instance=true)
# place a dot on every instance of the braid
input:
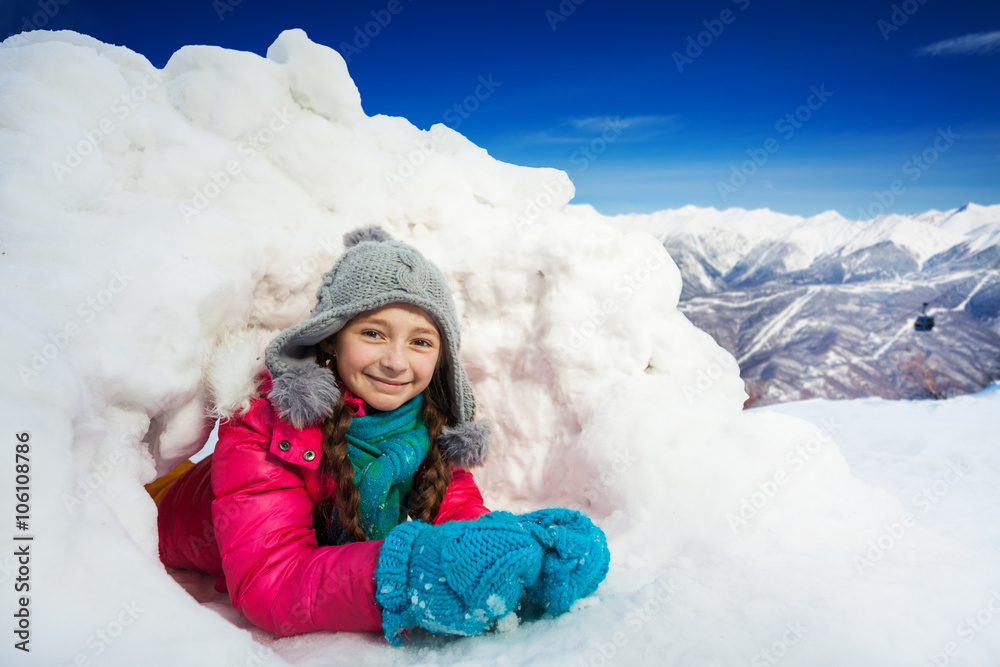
(339, 467)
(434, 475)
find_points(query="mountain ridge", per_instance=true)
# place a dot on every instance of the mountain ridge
(824, 306)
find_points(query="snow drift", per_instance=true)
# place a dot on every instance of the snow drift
(160, 225)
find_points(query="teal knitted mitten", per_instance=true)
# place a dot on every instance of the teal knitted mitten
(576, 557)
(456, 578)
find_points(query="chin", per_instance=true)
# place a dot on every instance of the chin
(387, 403)
(386, 406)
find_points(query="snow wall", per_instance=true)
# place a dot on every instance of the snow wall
(159, 226)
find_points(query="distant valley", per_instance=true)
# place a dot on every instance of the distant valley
(824, 307)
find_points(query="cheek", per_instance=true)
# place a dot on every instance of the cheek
(425, 367)
(351, 360)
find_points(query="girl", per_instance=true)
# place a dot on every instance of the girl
(365, 419)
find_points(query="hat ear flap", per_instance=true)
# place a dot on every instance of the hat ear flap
(305, 394)
(466, 445)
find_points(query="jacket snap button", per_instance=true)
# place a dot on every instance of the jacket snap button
(284, 445)
(309, 455)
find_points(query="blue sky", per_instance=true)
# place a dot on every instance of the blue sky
(799, 107)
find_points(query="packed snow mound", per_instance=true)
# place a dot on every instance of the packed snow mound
(161, 225)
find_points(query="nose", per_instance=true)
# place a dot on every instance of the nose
(394, 359)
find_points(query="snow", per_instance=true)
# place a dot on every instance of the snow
(159, 226)
(726, 237)
(780, 320)
(975, 290)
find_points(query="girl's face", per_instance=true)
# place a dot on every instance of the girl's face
(388, 355)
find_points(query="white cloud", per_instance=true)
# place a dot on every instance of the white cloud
(579, 130)
(974, 44)
(598, 123)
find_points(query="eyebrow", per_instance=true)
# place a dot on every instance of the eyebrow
(383, 323)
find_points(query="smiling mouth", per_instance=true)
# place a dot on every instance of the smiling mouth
(388, 383)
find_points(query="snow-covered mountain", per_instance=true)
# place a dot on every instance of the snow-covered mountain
(824, 306)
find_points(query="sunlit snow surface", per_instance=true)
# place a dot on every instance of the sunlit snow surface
(159, 226)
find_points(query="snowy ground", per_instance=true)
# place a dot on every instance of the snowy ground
(938, 459)
(161, 225)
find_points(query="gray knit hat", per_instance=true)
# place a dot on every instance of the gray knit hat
(374, 271)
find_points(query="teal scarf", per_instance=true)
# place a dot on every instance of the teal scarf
(386, 449)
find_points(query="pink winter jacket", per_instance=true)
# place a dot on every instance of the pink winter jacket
(246, 514)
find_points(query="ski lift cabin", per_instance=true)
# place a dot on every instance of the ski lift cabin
(924, 322)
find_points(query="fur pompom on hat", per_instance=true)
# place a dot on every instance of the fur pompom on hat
(374, 271)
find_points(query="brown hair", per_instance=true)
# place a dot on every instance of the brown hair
(431, 479)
